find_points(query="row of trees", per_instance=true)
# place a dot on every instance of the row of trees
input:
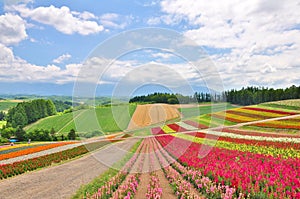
(28, 112)
(256, 95)
(170, 98)
(36, 135)
(245, 96)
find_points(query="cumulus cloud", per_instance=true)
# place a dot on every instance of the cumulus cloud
(12, 29)
(15, 69)
(261, 38)
(62, 58)
(62, 19)
(112, 20)
(162, 55)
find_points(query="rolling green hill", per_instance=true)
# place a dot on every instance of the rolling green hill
(7, 104)
(105, 119)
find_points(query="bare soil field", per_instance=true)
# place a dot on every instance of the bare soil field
(149, 114)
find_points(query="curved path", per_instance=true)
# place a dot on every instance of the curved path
(64, 180)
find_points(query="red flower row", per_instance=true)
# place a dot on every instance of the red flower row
(270, 111)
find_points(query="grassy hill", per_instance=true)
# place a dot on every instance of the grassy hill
(7, 104)
(105, 119)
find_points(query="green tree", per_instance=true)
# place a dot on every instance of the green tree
(72, 134)
(2, 116)
(7, 132)
(20, 133)
(52, 132)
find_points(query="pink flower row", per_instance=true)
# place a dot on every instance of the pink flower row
(117, 187)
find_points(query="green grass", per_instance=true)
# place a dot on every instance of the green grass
(212, 121)
(95, 184)
(5, 105)
(104, 119)
(56, 121)
(201, 110)
(281, 106)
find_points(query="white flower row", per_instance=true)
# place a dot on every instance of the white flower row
(250, 137)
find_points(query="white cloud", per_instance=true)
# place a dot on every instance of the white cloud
(15, 69)
(263, 37)
(12, 29)
(62, 19)
(162, 55)
(112, 20)
(62, 58)
(154, 21)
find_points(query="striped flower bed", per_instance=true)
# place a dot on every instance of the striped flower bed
(271, 111)
(195, 124)
(33, 150)
(177, 128)
(253, 133)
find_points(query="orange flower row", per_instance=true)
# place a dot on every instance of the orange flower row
(33, 150)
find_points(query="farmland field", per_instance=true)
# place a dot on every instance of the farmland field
(204, 109)
(110, 120)
(7, 104)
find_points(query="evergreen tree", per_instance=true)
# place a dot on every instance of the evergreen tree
(20, 133)
(72, 134)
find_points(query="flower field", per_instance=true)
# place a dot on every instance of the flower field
(225, 163)
(246, 170)
(16, 168)
(250, 114)
(293, 123)
(25, 150)
(185, 181)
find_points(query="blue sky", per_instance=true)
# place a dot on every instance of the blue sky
(45, 44)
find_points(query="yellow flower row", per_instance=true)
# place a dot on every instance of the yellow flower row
(19, 145)
(259, 113)
(167, 129)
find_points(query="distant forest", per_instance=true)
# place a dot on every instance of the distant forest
(169, 98)
(256, 95)
(245, 96)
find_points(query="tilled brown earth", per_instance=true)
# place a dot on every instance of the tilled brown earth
(149, 114)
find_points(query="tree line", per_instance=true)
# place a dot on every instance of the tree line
(28, 112)
(170, 98)
(245, 96)
(256, 95)
(35, 135)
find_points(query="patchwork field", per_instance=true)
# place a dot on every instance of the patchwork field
(197, 152)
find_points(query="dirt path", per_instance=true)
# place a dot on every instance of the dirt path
(149, 114)
(62, 181)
